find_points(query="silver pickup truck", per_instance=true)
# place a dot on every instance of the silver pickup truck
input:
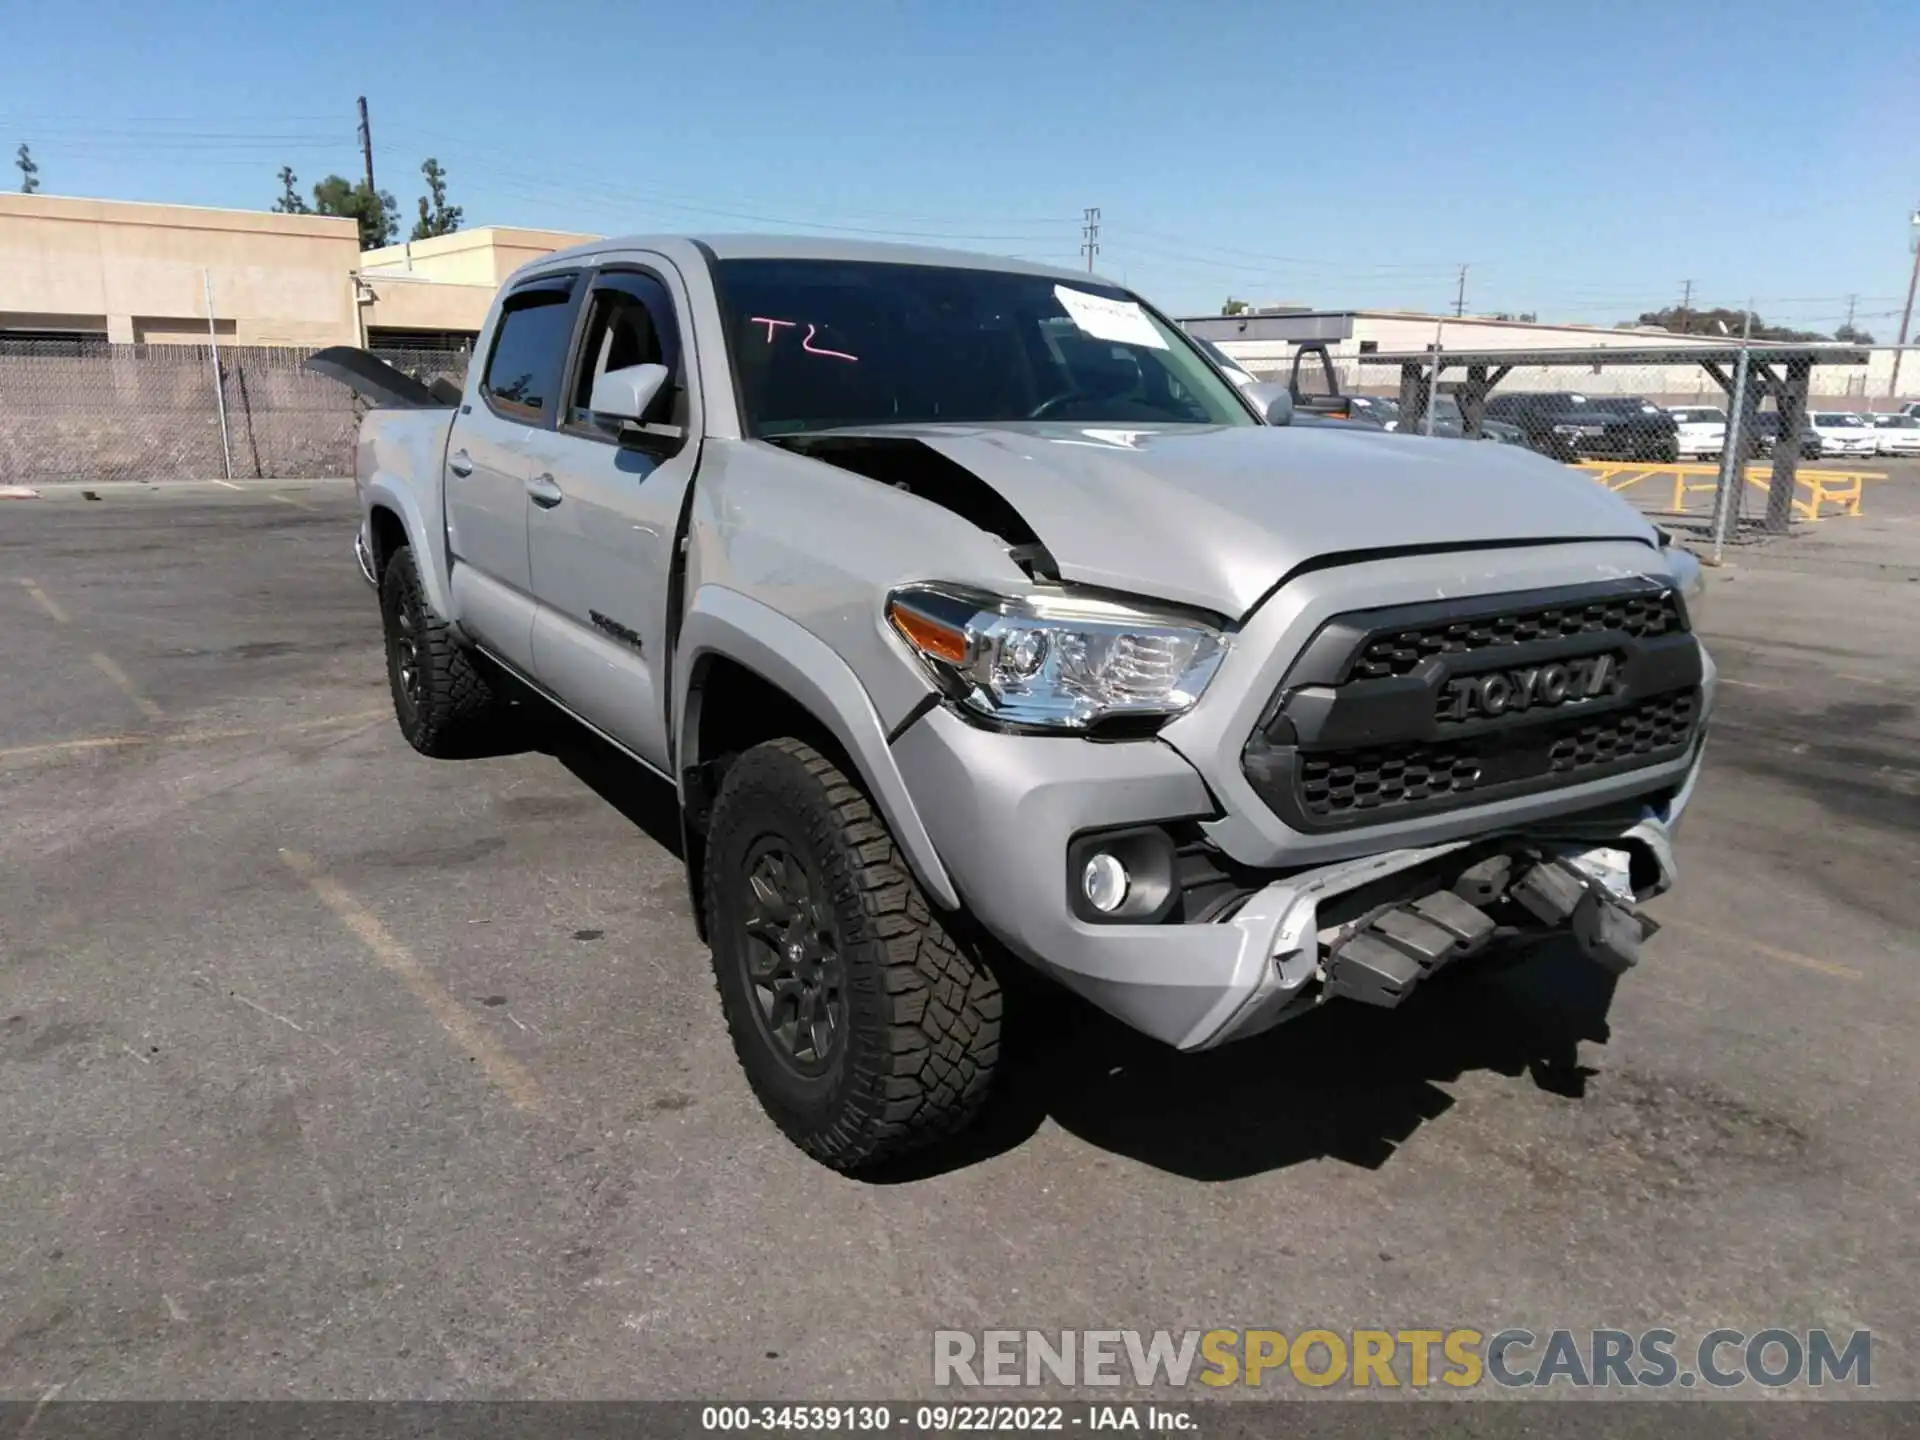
(975, 619)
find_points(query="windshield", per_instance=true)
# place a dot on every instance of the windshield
(1897, 422)
(823, 343)
(1838, 418)
(1701, 415)
(1625, 405)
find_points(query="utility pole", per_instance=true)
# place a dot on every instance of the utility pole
(1686, 303)
(1852, 300)
(1090, 235)
(1460, 294)
(1906, 316)
(366, 144)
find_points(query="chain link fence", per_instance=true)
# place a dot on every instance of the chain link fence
(81, 410)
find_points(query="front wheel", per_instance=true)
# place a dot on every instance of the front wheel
(865, 1028)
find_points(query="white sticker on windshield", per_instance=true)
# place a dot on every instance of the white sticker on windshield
(1121, 321)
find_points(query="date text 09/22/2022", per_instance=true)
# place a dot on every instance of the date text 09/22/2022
(945, 1419)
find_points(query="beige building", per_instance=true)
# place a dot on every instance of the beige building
(442, 286)
(136, 273)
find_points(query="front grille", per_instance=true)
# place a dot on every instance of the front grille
(1663, 723)
(1335, 784)
(1423, 708)
(1345, 780)
(1642, 616)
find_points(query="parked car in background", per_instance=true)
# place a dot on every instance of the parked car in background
(1571, 426)
(1767, 434)
(1376, 410)
(1896, 434)
(1842, 432)
(1700, 431)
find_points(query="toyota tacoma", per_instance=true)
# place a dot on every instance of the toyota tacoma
(976, 620)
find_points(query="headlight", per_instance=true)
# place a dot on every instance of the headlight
(1062, 662)
(1691, 580)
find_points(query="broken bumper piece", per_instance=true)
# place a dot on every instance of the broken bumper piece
(1440, 914)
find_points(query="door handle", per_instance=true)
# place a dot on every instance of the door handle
(545, 492)
(460, 463)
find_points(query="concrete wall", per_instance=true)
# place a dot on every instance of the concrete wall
(125, 268)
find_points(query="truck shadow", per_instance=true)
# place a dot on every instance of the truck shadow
(1345, 1083)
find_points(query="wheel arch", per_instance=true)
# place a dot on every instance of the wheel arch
(393, 509)
(745, 673)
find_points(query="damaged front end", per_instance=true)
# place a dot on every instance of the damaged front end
(1373, 930)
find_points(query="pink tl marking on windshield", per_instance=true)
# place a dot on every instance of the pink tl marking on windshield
(770, 324)
(813, 349)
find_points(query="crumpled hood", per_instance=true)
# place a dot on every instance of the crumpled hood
(1217, 516)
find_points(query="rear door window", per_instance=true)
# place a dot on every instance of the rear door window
(522, 378)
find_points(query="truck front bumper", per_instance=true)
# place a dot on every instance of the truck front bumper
(1002, 811)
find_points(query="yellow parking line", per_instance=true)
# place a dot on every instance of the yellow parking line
(46, 602)
(184, 737)
(506, 1072)
(1788, 957)
(104, 663)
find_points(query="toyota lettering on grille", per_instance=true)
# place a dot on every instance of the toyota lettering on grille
(1507, 692)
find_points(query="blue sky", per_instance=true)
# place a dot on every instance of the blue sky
(1583, 158)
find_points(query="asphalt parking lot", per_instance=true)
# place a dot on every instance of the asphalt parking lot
(327, 1070)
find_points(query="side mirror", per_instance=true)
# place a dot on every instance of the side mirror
(628, 394)
(1273, 401)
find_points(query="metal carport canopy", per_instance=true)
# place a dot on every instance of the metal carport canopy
(1768, 351)
(1787, 385)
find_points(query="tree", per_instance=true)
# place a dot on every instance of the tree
(1853, 335)
(1720, 321)
(441, 218)
(373, 209)
(290, 202)
(29, 171)
(1234, 307)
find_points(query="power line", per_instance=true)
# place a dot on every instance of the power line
(673, 197)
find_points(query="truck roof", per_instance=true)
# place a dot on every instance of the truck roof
(812, 247)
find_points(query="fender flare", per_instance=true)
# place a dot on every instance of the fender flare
(726, 623)
(426, 535)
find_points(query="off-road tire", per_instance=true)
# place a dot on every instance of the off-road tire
(922, 1010)
(451, 703)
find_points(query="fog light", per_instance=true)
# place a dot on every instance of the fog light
(1105, 883)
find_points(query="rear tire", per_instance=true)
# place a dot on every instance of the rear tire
(865, 1028)
(441, 697)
